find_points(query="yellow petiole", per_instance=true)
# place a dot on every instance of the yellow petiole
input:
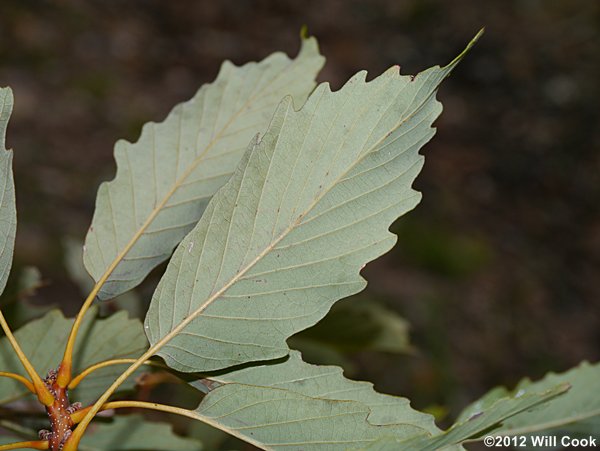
(39, 387)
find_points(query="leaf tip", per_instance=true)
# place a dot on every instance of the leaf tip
(309, 46)
(469, 46)
(8, 90)
(304, 32)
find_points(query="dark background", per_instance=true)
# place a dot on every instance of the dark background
(497, 269)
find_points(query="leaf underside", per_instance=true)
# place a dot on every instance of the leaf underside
(496, 414)
(294, 405)
(165, 180)
(559, 404)
(309, 205)
(44, 339)
(575, 411)
(8, 212)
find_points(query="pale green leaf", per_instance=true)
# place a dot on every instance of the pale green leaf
(560, 404)
(309, 205)
(294, 405)
(8, 211)
(489, 416)
(328, 382)
(492, 415)
(133, 432)
(576, 411)
(165, 180)
(43, 341)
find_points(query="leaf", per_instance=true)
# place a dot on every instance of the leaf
(358, 325)
(309, 205)
(42, 341)
(133, 432)
(494, 414)
(489, 416)
(8, 211)
(165, 180)
(328, 382)
(566, 402)
(576, 411)
(294, 405)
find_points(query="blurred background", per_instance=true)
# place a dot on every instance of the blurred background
(496, 271)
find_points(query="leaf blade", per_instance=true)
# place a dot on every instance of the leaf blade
(267, 234)
(487, 420)
(294, 405)
(156, 197)
(8, 211)
(580, 403)
(496, 413)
